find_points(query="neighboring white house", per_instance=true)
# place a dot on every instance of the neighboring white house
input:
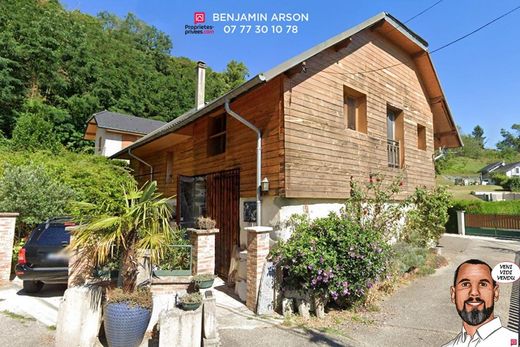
(510, 170)
(113, 132)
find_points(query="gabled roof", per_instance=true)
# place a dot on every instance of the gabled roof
(123, 123)
(446, 133)
(508, 167)
(491, 167)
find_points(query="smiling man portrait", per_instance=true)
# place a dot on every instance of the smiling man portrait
(474, 293)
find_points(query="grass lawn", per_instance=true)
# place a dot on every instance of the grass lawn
(464, 192)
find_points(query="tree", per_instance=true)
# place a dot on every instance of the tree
(32, 192)
(142, 221)
(478, 134)
(511, 140)
(35, 127)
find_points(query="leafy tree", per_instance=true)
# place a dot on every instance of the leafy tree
(81, 64)
(32, 192)
(34, 128)
(478, 134)
(511, 140)
(472, 147)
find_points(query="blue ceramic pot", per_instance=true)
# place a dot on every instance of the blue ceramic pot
(125, 325)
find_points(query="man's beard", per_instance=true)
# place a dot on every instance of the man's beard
(475, 316)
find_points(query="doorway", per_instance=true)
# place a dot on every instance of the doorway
(216, 195)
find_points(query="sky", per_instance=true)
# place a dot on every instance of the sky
(480, 74)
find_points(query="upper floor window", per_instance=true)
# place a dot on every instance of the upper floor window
(395, 136)
(355, 109)
(217, 135)
(421, 137)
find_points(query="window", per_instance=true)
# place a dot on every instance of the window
(100, 145)
(217, 135)
(395, 136)
(421, 137)
(354, 109)
(169, 167)
(518, 170)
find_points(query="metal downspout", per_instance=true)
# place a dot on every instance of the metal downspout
(258, 158)
(142, 161)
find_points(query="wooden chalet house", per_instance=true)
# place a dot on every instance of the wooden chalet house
(365, 101)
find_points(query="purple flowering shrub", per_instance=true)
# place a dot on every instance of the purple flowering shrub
(332, 257)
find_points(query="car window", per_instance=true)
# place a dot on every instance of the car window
(53, 235)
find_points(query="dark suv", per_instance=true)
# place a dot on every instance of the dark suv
(42, 259)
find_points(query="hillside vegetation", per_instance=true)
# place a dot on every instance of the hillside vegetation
(65, 66)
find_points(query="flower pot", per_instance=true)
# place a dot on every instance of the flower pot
(125, 325)
(191, 306)
(205, 284)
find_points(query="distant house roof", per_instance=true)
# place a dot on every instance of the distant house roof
(446, 134)
(491, 167)
(121, 122)
(508, 167)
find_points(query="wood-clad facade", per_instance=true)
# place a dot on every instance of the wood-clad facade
(321, 152)
(262, 107)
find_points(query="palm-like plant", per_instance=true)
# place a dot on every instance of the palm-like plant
(142, 222)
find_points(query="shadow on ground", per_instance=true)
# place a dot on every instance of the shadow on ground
(48, 291)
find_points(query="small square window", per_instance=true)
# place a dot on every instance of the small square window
(217, 135)
(421, 137)
(354, 109)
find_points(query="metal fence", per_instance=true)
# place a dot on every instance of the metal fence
(492, 225)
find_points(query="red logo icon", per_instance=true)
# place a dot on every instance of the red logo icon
(513, 342)
(199, 17)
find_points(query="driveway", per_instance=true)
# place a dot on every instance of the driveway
(419, 314)
(422, 314)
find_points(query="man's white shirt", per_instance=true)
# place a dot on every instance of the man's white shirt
(491, 334)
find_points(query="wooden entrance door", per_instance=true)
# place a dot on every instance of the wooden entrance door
(222, 204)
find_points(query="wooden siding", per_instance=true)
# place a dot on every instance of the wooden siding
(128, 140)
(262, 107)
(321, 154)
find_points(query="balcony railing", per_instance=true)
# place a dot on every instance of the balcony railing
(393, 153)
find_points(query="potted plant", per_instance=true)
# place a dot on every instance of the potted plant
(139, 222)
(190, 302)
(206, 223)
(176, 259)
(204, 281)
(127, 316)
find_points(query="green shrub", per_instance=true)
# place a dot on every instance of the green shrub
(513, 184)
(57, 180)
(408, 257)
(499, 178)
(176, 258)
(427, 217)
(32, 192)
(332, 257)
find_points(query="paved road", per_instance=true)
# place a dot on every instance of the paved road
(420, 314)
(21, 332)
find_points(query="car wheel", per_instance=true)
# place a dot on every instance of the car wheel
(32, 286)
